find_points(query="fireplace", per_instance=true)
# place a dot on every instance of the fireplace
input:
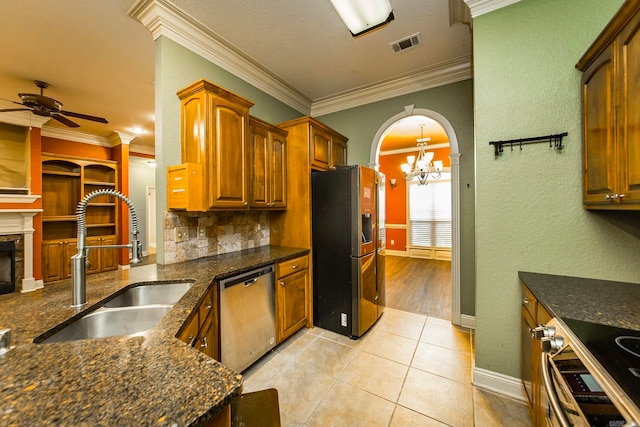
(7, 267)
(16, 229)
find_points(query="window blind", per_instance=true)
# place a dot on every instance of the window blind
(430, 213)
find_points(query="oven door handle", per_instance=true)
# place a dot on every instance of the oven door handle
(551, 393)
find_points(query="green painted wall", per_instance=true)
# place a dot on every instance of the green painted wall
(177, 67)
(453, 101)
(529, 214)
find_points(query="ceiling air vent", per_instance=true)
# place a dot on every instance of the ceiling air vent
(406, 43)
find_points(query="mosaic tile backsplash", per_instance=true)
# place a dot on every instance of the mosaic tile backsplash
(192, 235)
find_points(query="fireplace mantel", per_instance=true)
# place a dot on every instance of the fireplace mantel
(20, 221)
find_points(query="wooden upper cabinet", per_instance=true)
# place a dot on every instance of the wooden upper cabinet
(278, 162)
(328, 148)
(268, 165)
(611, 114)
(214, 134)
(320, 145)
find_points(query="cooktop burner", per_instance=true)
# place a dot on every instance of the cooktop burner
(617, 350)
(630, 344)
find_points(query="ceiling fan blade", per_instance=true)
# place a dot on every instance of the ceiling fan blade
(5, 110)
(84, 116)
(64, 120)
(11, 101)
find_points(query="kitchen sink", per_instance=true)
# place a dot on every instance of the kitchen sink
(109, 322)
(157, 293)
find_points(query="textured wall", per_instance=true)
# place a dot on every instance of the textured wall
(529, 213)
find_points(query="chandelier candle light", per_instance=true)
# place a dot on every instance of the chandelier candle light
(422, 167)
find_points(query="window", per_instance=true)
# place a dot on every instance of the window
(430, 213)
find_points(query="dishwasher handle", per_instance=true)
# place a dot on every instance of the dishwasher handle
(247, 279)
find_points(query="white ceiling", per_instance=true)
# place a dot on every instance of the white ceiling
(99, 61)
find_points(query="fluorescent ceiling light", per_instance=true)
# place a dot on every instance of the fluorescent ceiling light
(362, 16)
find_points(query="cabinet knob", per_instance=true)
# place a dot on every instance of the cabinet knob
(525, 301)
(621, 196)
(246, 203)
(612, 197)
(192, 340)
(282, 283)
(293, 267)
(204, 343)
(208, 306)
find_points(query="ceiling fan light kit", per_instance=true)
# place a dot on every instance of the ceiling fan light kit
(363, 16)
(44, 106)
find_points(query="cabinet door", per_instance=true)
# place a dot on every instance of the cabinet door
(259, 166)
(599, 151)
(93, 257)
(292, 303)
(629, 120)
(108, 257)
(338, 152)
(194, 126)
(320, 146)
(228, 174)
(190, 332)
(53, 259)
(278, 175)
(528, 367)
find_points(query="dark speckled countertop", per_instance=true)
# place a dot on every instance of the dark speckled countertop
(598, 301)
(154, 379)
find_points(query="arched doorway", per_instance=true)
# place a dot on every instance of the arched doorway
(410, 110)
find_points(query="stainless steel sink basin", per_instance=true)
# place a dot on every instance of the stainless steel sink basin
(157, 293)
(109, 322)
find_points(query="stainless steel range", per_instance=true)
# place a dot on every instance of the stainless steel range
(591, 374)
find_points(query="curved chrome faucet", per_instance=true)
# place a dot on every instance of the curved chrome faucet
(79, 260)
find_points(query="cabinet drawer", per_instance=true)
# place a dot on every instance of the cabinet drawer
(206, 306)
(293, 265)
(529, 302)
(184, 187)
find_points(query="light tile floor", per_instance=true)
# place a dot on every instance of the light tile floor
(408, 370)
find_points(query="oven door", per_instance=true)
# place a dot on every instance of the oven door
(561, 410)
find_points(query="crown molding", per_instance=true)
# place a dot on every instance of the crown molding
(72, 135)
(23, 118)
(163, 18)
(480, 7)
(447, 72)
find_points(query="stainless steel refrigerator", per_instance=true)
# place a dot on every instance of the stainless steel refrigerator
(346, 289)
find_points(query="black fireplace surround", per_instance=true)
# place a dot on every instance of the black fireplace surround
(7, 267)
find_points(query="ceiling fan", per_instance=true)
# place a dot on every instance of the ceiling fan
(48, 107)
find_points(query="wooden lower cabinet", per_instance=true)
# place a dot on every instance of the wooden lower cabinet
(201, 330)
(533, 315)
(56, 256)
(292, 296)
(102, 259)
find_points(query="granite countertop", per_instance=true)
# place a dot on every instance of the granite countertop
(592, 300)
(154, 379)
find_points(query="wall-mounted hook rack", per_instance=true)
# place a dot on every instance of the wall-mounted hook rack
(554, 141)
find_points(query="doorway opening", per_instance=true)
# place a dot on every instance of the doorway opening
(442, 263)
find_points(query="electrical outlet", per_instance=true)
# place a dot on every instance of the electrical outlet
(393, 242)
(182, 234)
(343, 319)
(202, 233)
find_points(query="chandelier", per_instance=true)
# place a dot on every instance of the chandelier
(422, 167)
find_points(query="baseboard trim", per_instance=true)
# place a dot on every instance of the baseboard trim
(499, 383)
(393, 252)
(467, 321)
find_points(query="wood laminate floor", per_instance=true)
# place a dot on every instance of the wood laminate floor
(419, 286)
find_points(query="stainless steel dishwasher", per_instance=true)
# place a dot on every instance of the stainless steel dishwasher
(247, 317)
